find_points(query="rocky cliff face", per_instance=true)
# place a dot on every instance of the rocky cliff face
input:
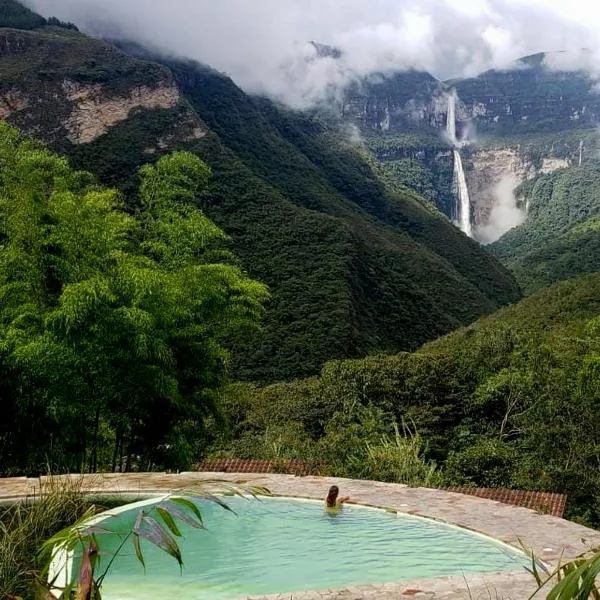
(412, 100)
(493, 175)
(93, 112)
(532, 98)
(65, 88)
(512, 125)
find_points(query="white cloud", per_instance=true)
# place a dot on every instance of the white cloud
(262, 44)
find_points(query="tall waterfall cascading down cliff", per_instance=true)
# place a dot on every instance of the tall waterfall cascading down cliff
(464, 201)
(463, 207)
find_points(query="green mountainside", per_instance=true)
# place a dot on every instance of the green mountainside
(14, 14)
(560, 238)
(364, 270)
(354, 267)
(508, 401)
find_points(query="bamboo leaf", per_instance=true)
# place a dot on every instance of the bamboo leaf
(168, 520)
(221, 503)
(182, 515)
(138, 548)
(136, 538)
(186, 503)
(152, 531)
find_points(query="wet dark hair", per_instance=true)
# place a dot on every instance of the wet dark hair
(332, 495)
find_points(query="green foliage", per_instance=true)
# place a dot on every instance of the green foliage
(510, 401)
(486, 463)
(576, 579)
(560, 237)
(108, 318)
(400, 459)
(420, 162)
(14, 14)
(412, 174)
(354, 267)
(338, 437)
(26, 525)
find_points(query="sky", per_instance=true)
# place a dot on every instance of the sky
(263, 44)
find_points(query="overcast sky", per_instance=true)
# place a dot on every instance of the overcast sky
(262, 44)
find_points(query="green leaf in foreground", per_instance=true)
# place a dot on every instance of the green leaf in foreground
(168, 520)
(153, 532)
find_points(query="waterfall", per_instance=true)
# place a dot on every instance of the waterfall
(580, 152)
(463, 207)
(464, 202)
(451, 118)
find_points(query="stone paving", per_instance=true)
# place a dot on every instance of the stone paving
(550, 538)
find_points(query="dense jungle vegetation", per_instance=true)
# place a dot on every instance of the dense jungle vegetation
(354, 266)
(114, 324)
(131, 300)
(560, 238)
(510, 401)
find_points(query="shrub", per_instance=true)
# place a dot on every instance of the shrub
(400, 460)
(487, 463)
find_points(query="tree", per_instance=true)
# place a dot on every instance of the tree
(111, 322)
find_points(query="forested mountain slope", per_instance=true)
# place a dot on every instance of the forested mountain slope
(353, 266)
(509, 401)
(560, 238)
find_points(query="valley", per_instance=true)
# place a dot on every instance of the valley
(398, 281)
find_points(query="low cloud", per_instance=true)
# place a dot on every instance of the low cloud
(505, 214)
(263, 44)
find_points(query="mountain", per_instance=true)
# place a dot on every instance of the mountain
(536, 96)
(355, 266)
(508, 401)
(560, 238)
(511, 125)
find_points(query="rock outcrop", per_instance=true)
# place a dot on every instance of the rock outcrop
(94, 111)
(492, 177)
(11, 102)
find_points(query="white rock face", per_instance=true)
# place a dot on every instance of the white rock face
(492, 178)
(549, 165)
(94, 111)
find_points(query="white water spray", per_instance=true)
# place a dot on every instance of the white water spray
(463, 208)
(451, 119)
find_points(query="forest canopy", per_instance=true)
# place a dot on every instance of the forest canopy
(113, 323)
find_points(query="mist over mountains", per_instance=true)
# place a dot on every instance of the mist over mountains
(264, 45)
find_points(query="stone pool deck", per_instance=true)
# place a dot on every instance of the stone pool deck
(550, 538)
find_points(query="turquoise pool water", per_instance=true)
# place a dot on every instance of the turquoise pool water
(276, 546)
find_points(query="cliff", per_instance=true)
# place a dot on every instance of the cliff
(511, 125)
(66, 88)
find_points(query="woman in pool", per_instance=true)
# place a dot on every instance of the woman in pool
(332, 502)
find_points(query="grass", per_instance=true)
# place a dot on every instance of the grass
(26, 525)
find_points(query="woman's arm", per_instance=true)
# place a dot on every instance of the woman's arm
(342, 500)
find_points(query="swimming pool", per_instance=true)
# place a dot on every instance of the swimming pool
(282, 545)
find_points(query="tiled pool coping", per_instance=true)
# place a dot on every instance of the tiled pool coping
(549, 537)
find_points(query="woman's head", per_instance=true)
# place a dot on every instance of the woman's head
(332, 495)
